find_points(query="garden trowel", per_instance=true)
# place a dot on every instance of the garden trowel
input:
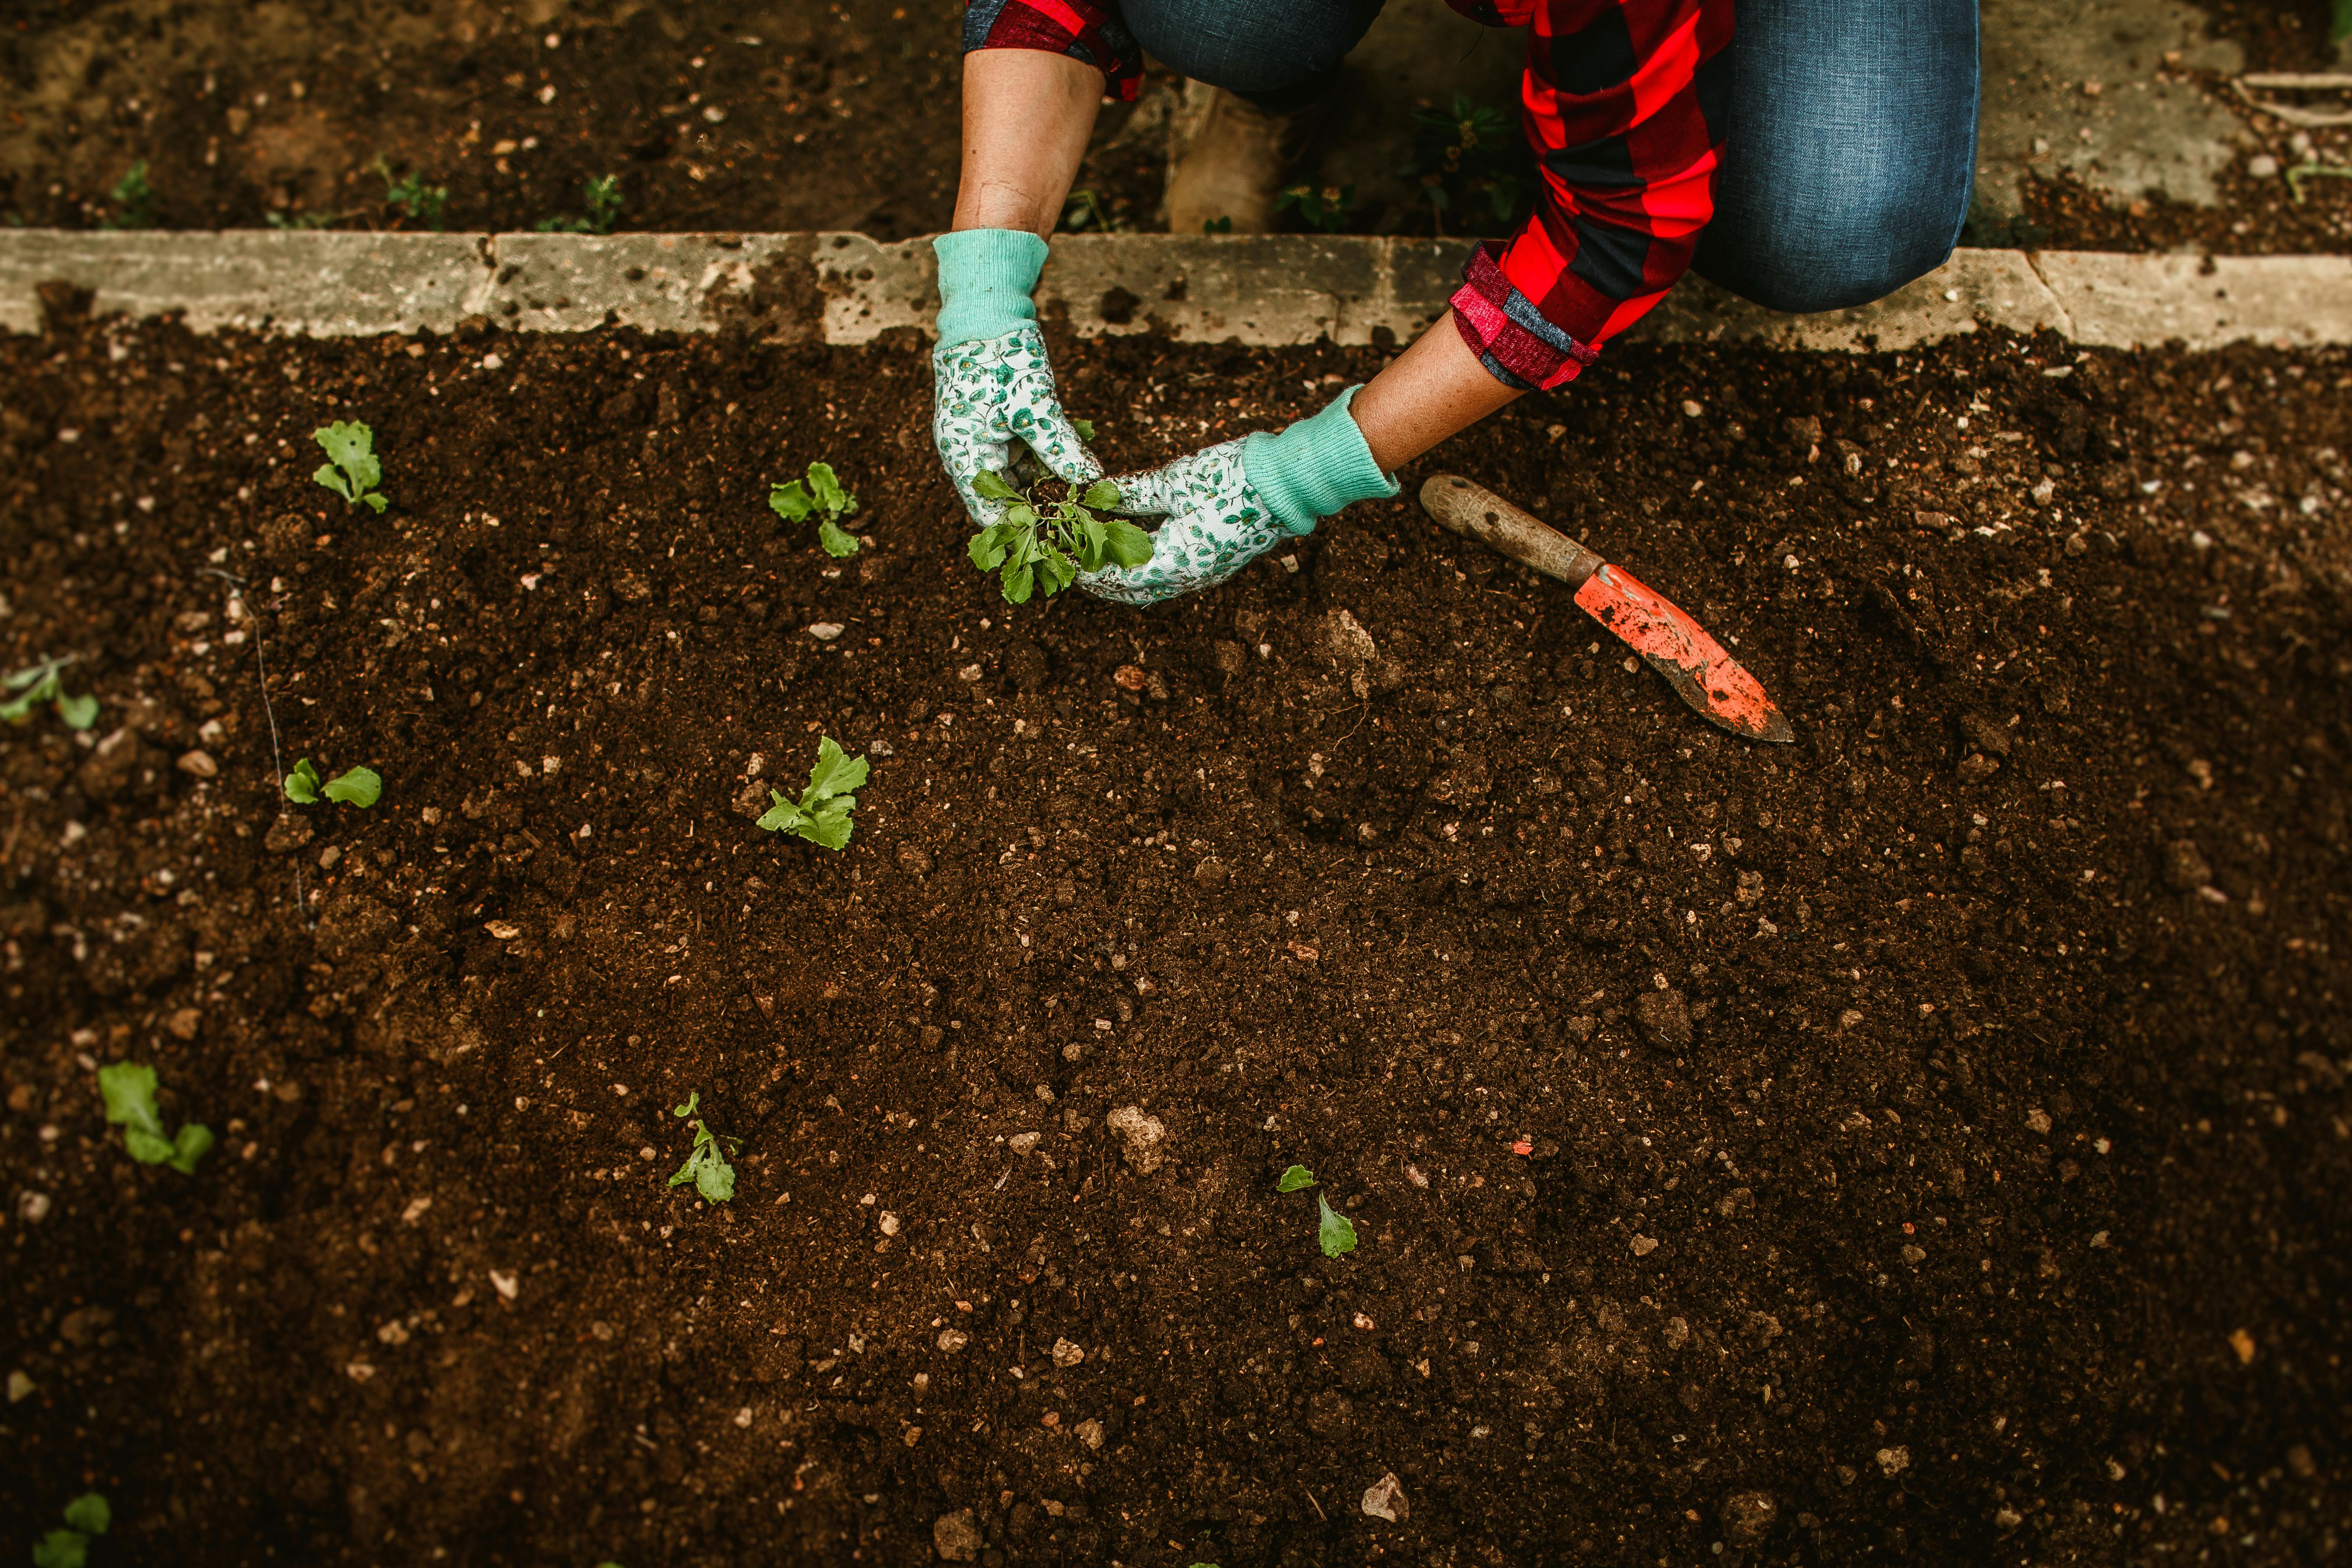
(1676, 647)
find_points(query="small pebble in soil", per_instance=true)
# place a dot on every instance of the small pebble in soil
(956, 1536)
(1385, 1498)
(1066, 1354)
(954, 1339)
(1141, 1135)
(1894, 1461)
(1747, 1517)
(1021, 1142)
(1665, 1019)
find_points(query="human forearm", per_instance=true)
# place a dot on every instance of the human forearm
(1427, 392)
(1026, 118)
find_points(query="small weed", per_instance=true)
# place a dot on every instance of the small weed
(2313, 169)
(133, 199)
(1468, 153)
(44, 682)
(821, 815)
(350, 469)
(410, 196)
(362, 787)
(129, 1089)
(303, 221)
(1336, 1233)
(707, 1166)
(86, 1516)
(796, 503)
(1326, 208)
(1217, 225)
(603, 198)
(1048, 542)
(1084, 209)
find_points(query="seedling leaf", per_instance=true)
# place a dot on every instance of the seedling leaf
(1085, 427)
(828, 489)
(90, 1514)
(129, 1090)
(1294, 1179)
(1126, 543)
(821, 815)
(1101, 496)
(1339, 1233)
(706, 1166)
(302, 783)
(837, 542)
(789, 501)
(61, 1549)
(359, 786)
(992, 486)
(79, 712)
(352, 469)
(44, 682)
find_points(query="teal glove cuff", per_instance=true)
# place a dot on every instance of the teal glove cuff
(986, 276)
(1315, 468)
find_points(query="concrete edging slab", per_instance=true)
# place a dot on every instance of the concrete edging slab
(1257, 291)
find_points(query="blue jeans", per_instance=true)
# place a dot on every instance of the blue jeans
(1849, 142)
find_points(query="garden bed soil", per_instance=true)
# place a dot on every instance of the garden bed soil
(784, 116)
(1929, 1139)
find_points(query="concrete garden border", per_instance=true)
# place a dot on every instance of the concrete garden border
(1257, 290)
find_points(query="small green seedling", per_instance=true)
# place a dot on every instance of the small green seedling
(412, 196)
(133, 199)
(86, 1516)
(821, 497)
(1325, 207)
(602, 196)
(1469, 151)
(44, 682)
(300, 221)
(707, 1166)
(821, 815)
(362, 787)
(1082, 208)
(1048, 542)
(350, 469)
(1338, 1233)
(2310, 169)
(129, 1089)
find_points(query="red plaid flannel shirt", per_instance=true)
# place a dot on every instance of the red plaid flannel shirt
(1622, 101)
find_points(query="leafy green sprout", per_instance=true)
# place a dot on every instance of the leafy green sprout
(1325, 207)
(129, 1090)
(602, 195)
(707, 1165)
(362, 787)
(1048, 542)
(133, 199)
(44, 682)
(2299, 174)
(86, 1516)
(1464, 153)
(1338, 1232)
(820, 497)
(1084, 209)
(821, 815)
(409, 194)
(351, 471)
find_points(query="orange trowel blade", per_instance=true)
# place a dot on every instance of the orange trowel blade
(1678, 648)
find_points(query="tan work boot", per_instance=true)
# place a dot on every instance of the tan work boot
(1229, 173)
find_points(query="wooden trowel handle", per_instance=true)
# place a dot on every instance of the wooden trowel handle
(1476, 513)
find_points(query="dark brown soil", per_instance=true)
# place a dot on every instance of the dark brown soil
(1929, 1141)
(840, 116)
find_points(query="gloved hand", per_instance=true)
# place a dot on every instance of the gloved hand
(1231, 503)
(990, 378)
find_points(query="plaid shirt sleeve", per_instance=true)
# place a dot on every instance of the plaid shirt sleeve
(1085, 31)
(1623, 102)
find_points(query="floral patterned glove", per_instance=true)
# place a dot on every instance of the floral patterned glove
(1230, 504)
(991, 392)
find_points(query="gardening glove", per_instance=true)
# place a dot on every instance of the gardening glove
(1230, 504)
(991, 382)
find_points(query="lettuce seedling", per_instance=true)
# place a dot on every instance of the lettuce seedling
(821, 815)
(362, 787)
(42, 683)
(86, 1516)
(133, 199)
(707, 1166)
(1048, 542)
(129, 1089)
(1338, 1233)
(821, 495)
(350, 469)
(409, 194)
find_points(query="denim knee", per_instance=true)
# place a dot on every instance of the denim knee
(1871, 244)
(1278, 56)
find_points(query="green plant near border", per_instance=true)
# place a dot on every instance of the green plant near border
(129, 1090)
(1325, 207)
(2314, 170)
(1085, 208)
(362, 787)
(427, 205)
(1046, 543)
(707, 1165)
(304, 222)
(822, 497)
(2339, 27)
(1465, 153)
(133, 199)
(352, 469)
(821, 815)
(602, 195)
(44, 682)
(86, 1516)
